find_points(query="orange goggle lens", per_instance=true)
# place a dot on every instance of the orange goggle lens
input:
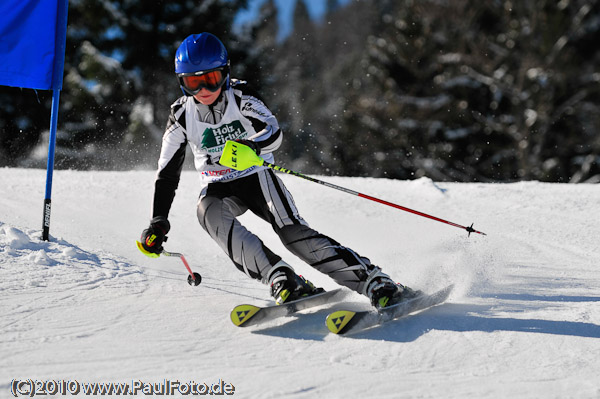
(210, 80)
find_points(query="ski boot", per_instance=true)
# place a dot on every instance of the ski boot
(287, 286)
(383, 292)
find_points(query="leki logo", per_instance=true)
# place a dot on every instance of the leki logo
(218, 136)
(234, 156)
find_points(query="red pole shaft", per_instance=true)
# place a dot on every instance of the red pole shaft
(409, 210)
(183, 260)
(187, 266)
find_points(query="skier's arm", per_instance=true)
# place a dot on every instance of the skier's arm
(269, 136)
(170, 163)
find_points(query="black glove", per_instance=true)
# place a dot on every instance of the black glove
(154, 236)
(251, 144)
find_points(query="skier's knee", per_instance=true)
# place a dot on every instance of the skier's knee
(209, 211)
(294, 233)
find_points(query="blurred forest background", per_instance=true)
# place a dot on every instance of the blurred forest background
(461, 90)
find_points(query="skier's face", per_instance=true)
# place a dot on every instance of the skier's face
(207, 97)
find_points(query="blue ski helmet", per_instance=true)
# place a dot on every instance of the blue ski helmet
(199, 55)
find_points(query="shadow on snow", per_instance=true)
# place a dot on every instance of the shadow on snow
(446, 317)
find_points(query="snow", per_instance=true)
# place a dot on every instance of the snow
(523, 321)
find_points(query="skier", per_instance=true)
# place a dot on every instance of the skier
(216, 108)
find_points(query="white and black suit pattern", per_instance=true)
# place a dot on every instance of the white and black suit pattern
(225, 193)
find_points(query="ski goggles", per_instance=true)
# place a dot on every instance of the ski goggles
(209, 80)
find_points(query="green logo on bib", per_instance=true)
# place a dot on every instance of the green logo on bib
(216, 137)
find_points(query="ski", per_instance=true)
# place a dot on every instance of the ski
(347, 321)
(249, 315)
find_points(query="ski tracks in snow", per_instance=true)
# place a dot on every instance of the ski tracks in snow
(50, 289)
(59, 266)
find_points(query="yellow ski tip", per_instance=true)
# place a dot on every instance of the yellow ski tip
(336, 321)
(142, 250)
(242, 313)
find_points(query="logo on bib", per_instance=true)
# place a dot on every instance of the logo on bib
(216, 137)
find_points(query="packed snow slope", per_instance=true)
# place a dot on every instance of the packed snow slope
(523, 321)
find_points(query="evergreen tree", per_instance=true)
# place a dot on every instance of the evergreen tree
(293, 69)
(467, 90)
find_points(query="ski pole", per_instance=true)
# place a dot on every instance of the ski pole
(240, 157)
(193, 279)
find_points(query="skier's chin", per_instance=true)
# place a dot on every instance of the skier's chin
(206, 97)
